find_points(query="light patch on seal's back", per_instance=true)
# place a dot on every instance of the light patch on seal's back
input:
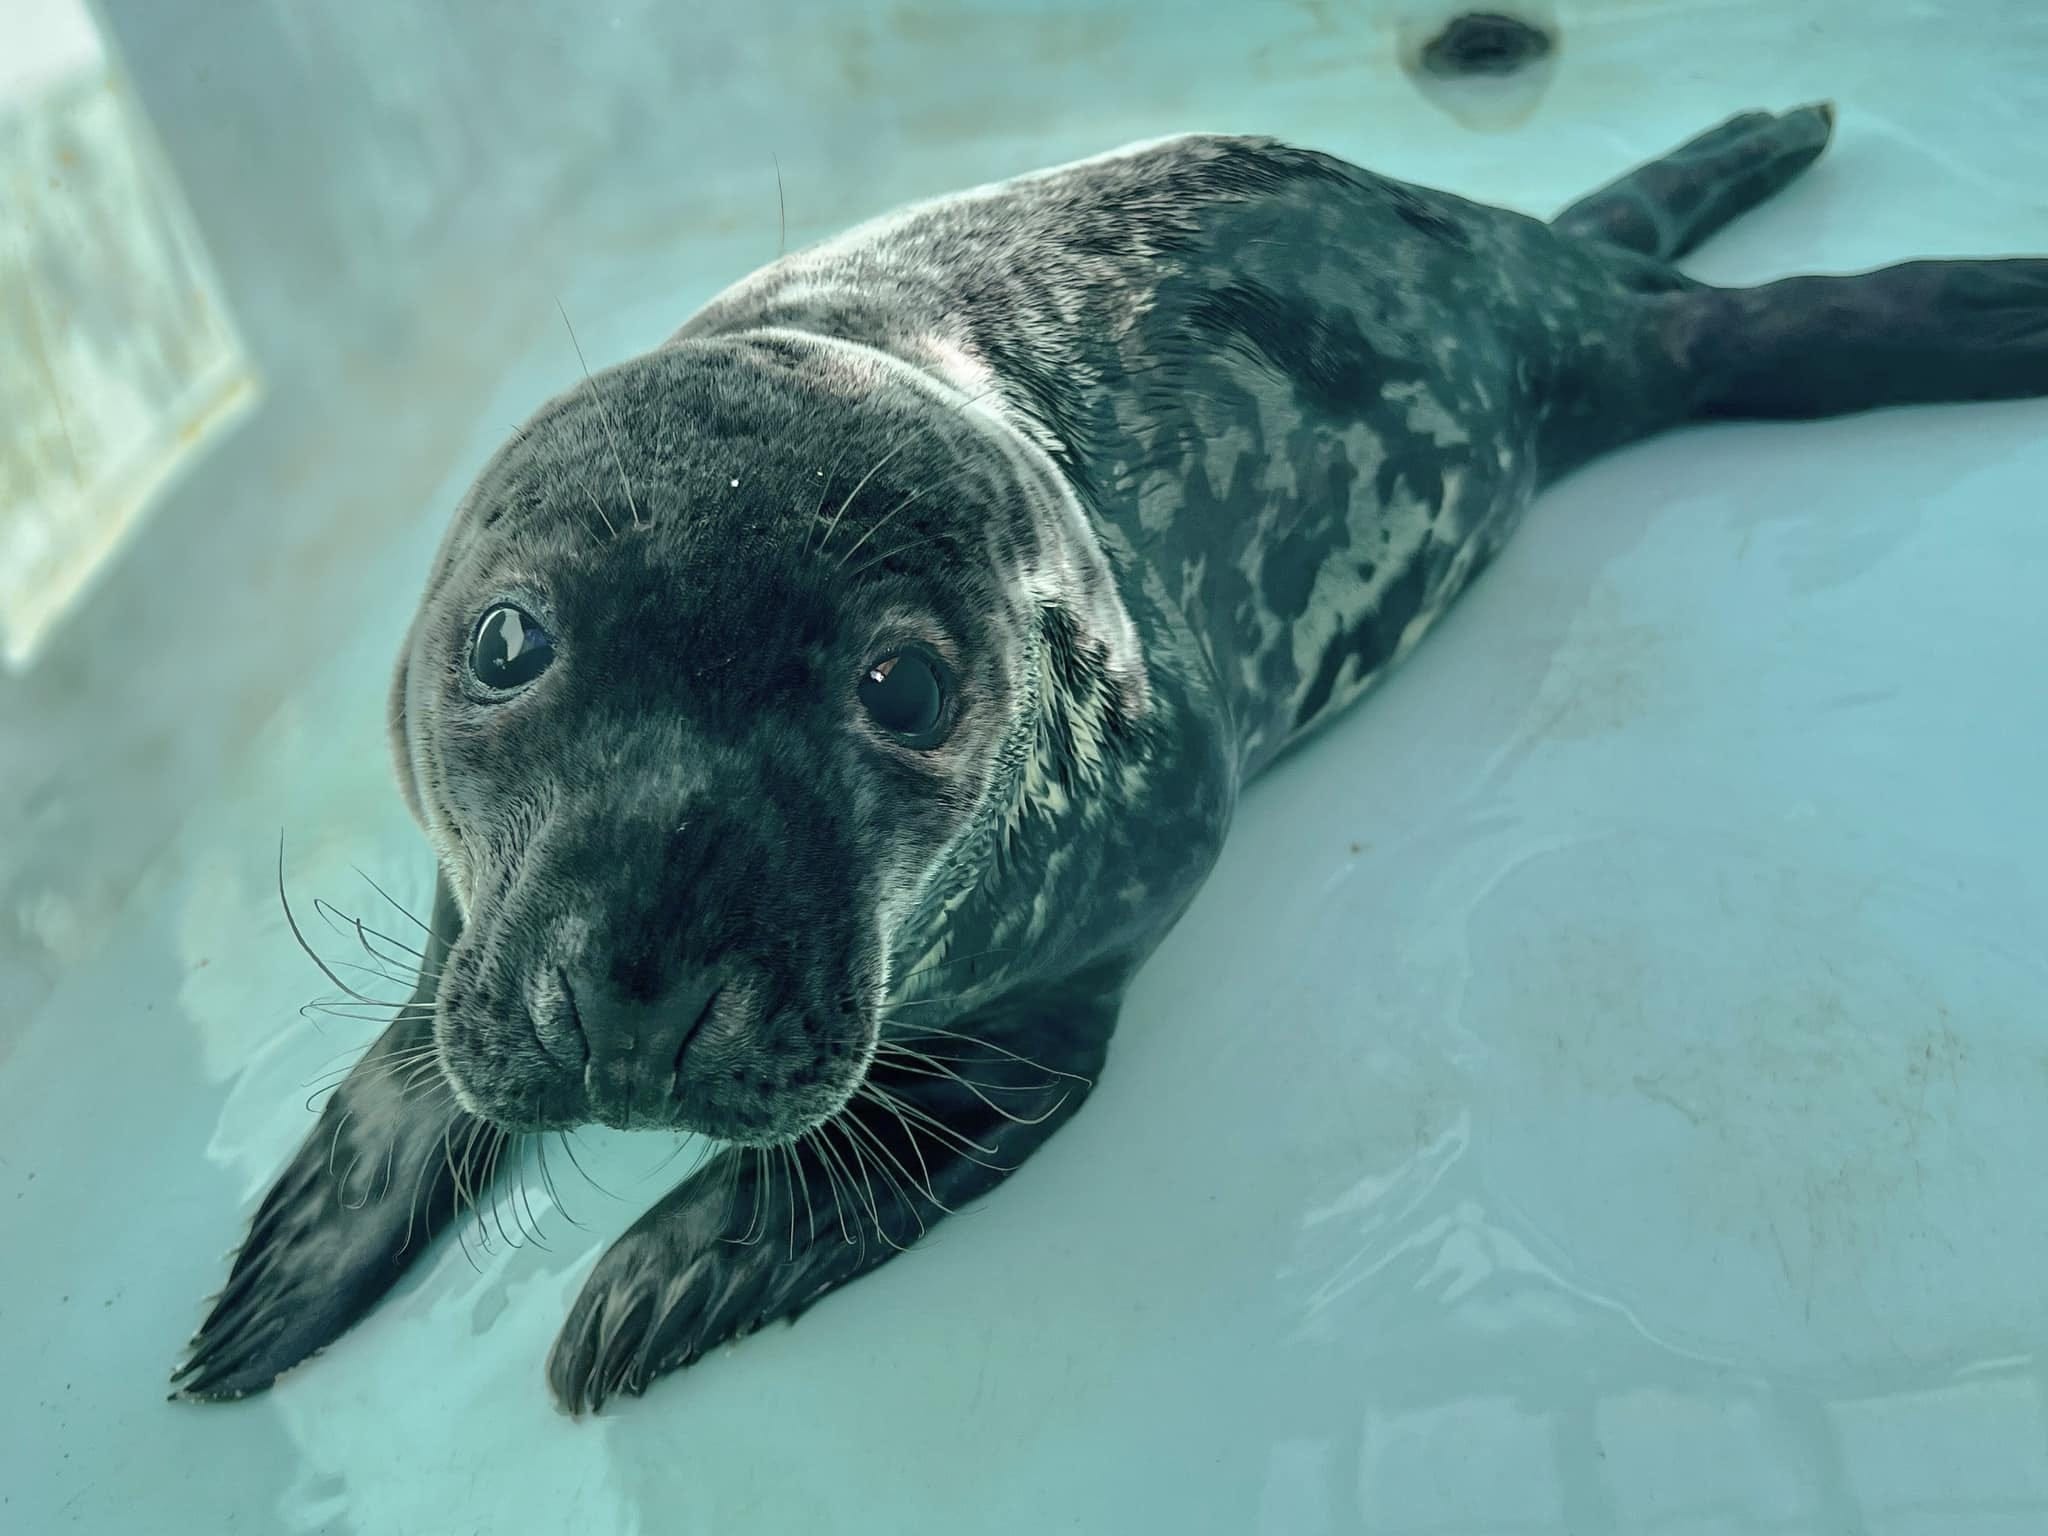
(969, 372)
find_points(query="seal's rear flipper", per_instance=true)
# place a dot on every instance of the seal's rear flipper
(1667, 207)
(1916, 334)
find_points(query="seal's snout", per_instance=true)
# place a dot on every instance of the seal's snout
(631, 1048)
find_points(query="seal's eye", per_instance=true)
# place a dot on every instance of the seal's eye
(511, 649)
(905, 696)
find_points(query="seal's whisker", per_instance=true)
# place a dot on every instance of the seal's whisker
(381, 1071)
(342, 1063)
(927, 1067)
(850, 1195)
(479, 1168)
(489, 1183)
(781, 210)
(910, 1139)
(989, 1045)
(937, 1060)
(332, 916)
(764, 1193)
(381, 968)
(454, 1163)
(525, 1193)
(381, 1014)
(597, 506)
(950, 961)
(383, 1007)
(706, 1148)
(390, 1167)
(920, 1063)
(463, 1192)
(858, 1158)
(764, 1197)
(789, 1190)
(879, 523)
(334, 1145)
(880, 1099)
(675, 1152)
(462, 1241)
(292, 922)
(752, 1156)
(868, 1134)
(890, 554)
(920, 430)
(854, 1183)
(730, 1171)
(501, 1187)
(455, 1215)
(824, 495)
(341, 1189)
(794, 1152)
(547, 1179)
(831, 1178)
(418, 957)
(940, 1069)
(508, 1196)
(412, 1204)
(399, 908)
(515, 1187)
(426, 1074)
(903, 1200)
(603, 415)
(954, 1140)
(416, 1063)
(582, 480)
(832, 526)
(380, 1008)
(363, 934)
(577, 1164)
(861, 1162)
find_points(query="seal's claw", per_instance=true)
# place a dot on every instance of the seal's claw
(710, 1264)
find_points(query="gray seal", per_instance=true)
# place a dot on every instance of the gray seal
(819, 719)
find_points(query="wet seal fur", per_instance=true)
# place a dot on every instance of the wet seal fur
(1166, 457)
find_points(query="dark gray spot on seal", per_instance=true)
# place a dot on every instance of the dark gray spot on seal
(820, 718)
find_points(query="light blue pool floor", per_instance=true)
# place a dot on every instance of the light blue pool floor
(1603, 1090)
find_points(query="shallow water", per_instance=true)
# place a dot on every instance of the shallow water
(1602, 1090)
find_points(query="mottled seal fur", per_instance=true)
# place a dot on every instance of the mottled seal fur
(818, 719)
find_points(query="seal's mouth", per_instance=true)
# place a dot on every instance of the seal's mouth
(732, 1052)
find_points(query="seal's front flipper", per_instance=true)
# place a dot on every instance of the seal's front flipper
(759, 1234)
(1920, 333)
(386, 1165)
(1667, 207)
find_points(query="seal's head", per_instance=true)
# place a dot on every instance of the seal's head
(725, 661)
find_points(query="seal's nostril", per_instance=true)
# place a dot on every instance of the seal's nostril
(574, 1013)
(697, 1024)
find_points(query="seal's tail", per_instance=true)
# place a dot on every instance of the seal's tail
(1915, 334)
(1667, 207)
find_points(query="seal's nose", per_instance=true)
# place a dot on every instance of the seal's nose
(633, 1046)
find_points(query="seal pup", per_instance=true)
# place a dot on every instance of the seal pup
(818, 719)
